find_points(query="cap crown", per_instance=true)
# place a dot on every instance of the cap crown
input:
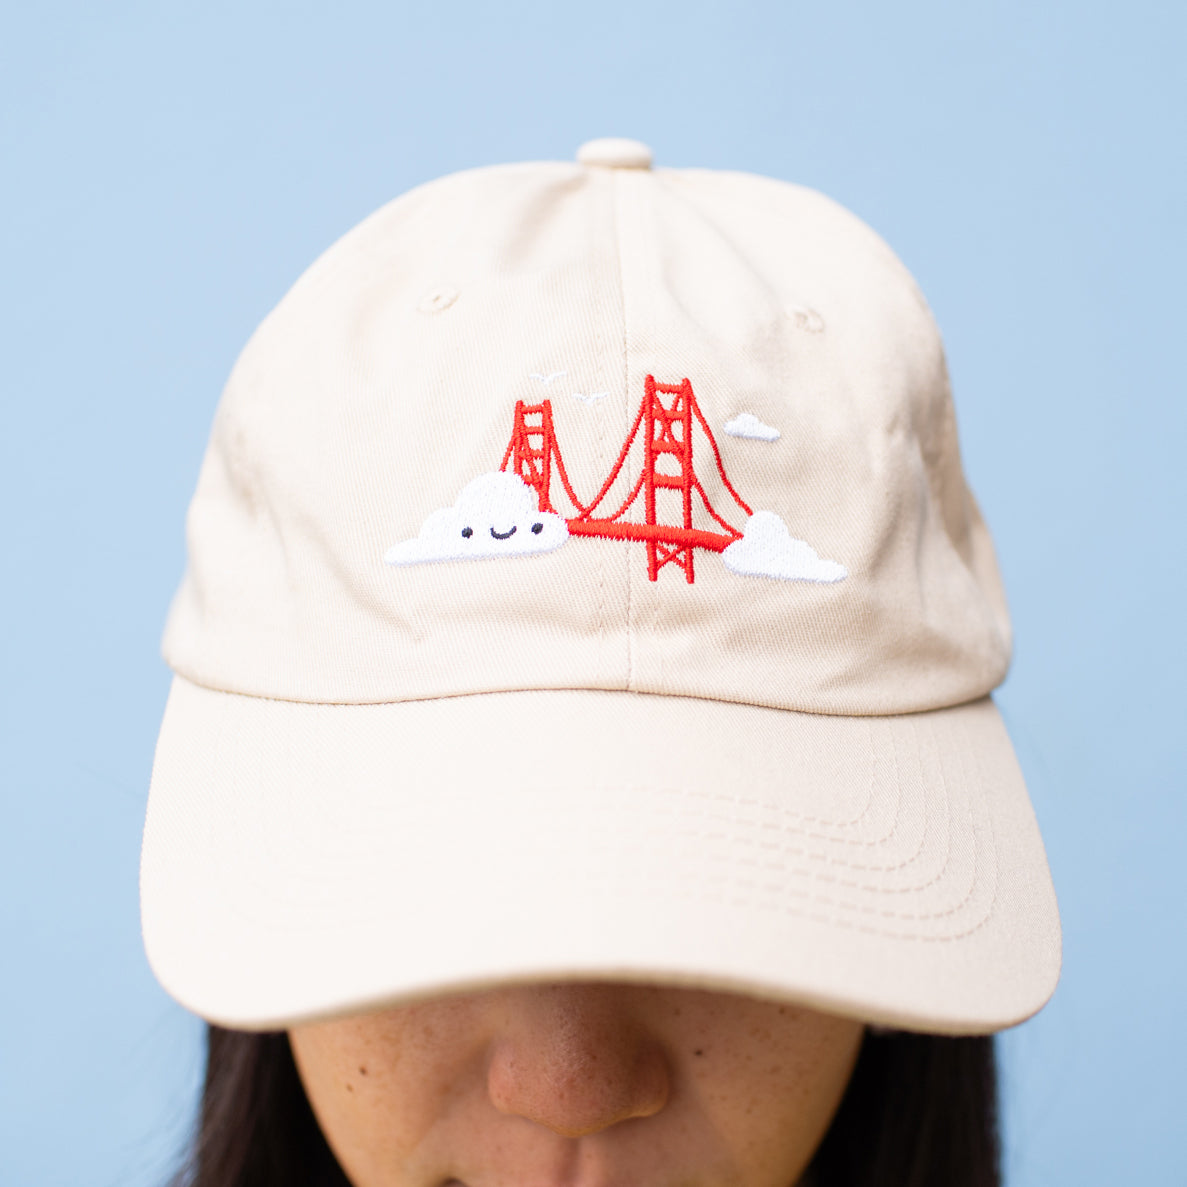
(578, 329)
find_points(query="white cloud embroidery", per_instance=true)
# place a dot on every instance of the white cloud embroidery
(768, 549)
(746, 424)
(495, 515)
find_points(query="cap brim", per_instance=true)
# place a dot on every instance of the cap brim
(303, 861)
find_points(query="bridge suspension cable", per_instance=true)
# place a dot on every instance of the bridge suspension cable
(668, 439)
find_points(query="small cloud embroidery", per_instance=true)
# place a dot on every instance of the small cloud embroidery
(495, 515)
(768, 549)
(746, 424)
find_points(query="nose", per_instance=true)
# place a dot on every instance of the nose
(571, 1058)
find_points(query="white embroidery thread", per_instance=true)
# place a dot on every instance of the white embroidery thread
(547, 379)
(746, 424)
(591, 399)
(495, 515)
(768, 549)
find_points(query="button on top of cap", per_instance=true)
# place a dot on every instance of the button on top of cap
(613, 153)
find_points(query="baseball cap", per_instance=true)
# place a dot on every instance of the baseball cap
(583, 583)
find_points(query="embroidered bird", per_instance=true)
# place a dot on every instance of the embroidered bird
(547, 379)
(591, 399)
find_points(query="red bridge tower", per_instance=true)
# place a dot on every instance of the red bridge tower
(668, 434)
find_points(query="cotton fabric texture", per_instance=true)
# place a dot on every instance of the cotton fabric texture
(391, 768)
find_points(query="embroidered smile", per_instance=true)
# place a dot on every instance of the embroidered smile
(537, 528)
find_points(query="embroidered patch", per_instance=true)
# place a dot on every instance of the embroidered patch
(746, 424)
(511, 513)
(495, 515)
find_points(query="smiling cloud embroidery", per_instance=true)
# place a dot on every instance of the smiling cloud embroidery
(768, 549)
(746, 424)
(495, 515)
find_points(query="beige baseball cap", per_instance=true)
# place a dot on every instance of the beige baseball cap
(583, 583)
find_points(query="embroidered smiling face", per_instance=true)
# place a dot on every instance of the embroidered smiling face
(495, 515)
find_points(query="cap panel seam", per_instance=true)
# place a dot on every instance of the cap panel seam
(617, 183)
(606, 661)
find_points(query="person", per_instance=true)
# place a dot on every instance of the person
(581, 767)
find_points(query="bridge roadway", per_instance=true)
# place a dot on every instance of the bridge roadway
(661, 533)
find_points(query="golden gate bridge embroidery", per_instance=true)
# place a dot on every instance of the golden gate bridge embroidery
(668, 434)
(511, 511)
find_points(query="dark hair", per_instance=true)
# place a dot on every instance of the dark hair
(919, 1111)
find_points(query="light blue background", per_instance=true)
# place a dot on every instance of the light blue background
(168, 171)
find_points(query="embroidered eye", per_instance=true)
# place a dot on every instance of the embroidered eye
(467, 533)
(537, 528)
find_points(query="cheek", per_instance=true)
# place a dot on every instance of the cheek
(773, 1083)
(376, 1086)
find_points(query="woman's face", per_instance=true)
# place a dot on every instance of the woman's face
(578, 1085)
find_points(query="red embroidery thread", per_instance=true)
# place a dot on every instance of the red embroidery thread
(533, 449)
